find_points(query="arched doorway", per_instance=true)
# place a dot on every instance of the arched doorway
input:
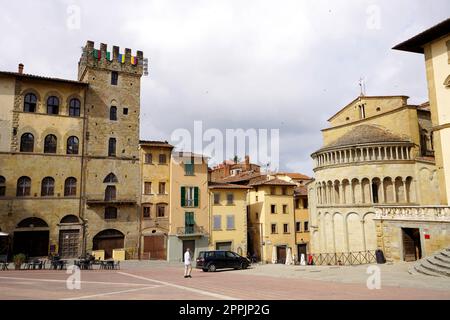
(31, 238)
(108, 240)
(69, 237)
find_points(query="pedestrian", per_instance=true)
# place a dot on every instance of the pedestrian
(187, 264)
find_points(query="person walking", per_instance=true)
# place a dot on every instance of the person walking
(187, 264)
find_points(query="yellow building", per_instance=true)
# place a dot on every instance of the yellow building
(228, 209)
(302, 234)
(155, 157)
(271, 219)
(189, 219)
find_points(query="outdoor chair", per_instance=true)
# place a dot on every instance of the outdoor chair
(4, 262)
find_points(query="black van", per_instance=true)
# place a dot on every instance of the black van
(218, 259)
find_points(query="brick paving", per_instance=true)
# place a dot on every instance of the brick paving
(165, 281)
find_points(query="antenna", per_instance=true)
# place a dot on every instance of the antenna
(362, 86)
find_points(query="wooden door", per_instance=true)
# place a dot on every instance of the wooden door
(301, 248)
(155, 247)
(69, 243)
(281, 254)
(108, 245)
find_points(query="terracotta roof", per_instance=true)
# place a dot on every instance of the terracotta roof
(364, 134)
(217, 185)
(272, 182)
(31, 76)
(416, 43)
(295, 175)
(244, 176)
(150, 143)
(301, 191)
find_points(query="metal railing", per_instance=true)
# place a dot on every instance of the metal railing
(191, 230)
(344, 258)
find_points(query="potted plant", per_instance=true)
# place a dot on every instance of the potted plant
(18, 260)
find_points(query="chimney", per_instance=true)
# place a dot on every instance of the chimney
(247, 163)
(21, 68)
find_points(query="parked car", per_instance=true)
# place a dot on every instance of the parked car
(219, 259)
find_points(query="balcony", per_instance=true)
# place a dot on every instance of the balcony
(413, 213)
(194, 231)
(101, 200)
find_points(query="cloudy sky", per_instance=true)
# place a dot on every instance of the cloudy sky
(286, 65)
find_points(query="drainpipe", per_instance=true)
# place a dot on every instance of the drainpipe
(82, 179)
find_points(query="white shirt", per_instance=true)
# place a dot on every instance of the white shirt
(187, 258)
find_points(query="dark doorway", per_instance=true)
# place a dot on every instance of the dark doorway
(31, 243)
(69, 243)
(281, 254)
(155, 247)
(225, 246)
(108, 240)
(302, 249)
(412, 249)
(191, 245)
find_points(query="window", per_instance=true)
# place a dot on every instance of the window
(273, 208)
(112, 147)
(148, 158)
(50, 143)
(23, 187)
(161, 210)
(273, 190)
(110, 193)
(230, 199)
(189, 222)
(230, 222)
(125, 111)
(147, 188)
(362, 111)
(217, 222)
(285, 228)
(273, 228)
(298, 227)
(306, 228)
(48, 187)
(74, 107)
(113, 113)
(2, 186)
(305, 203)
(189, 197)
(110, 213)
(297, 203)
(70, 187)
(110, 178)
(189, 169)
(30, 103)
(285, 208)
(72, 145)
(162, 159)
(284, 191)
(217, 198)
(53, 105)
(146, 213)
(162, 188)
(27, 142)
(114, 78)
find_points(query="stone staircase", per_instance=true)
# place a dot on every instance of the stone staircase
(437, 265)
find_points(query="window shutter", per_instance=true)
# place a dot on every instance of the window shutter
(196, 197)
(192, 219)
(183, 196)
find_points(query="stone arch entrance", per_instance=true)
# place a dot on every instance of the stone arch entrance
(31, 237)
(108, 240)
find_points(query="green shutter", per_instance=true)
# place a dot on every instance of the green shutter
(196, 197)
(183, 196)
(192, 219)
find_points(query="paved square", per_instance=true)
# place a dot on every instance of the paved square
(164, 281)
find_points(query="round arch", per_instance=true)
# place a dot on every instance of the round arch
(108, 240)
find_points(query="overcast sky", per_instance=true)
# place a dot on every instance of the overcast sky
(286, 65)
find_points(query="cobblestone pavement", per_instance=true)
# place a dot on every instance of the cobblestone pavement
(160, 280)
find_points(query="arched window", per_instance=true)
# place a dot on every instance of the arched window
(50, 144)
(23, 187)
(48, 187)
(2, 186)
(110, 213)
(110, 178)
(30, 103)
(52, 105)
(74, 107)
(110, 193)
(27, 142)
(113, 113)
(70, 187)
(70, 219)
(112, 147)
(72, 145)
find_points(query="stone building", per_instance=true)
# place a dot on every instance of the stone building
(69, 157)
(377, 151)
(155, 159)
